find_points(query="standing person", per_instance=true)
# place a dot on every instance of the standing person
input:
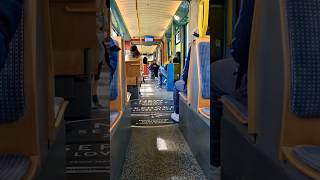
(10, 16)
(101, 21)
(154, 67)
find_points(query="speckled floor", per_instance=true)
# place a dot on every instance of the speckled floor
(159, 153)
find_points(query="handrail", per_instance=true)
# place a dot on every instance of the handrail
(203, 17)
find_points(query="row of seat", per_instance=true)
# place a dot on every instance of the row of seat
(30, 115)
(282, 118)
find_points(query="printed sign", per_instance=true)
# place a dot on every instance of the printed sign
(88, 158)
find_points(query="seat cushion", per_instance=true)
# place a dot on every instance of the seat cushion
(12, 99)
(58, 101)
(13, 167)
(205, 111)
(204, 60)
(303, 28)
(241, 108)
(113, 116)
(309, 155)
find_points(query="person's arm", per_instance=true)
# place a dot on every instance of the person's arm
(10, 15)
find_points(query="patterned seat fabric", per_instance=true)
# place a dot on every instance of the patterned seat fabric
(310, 155)
(12, 99)
(113, 116)
(304, 44)
(13, 167)
(204, 59)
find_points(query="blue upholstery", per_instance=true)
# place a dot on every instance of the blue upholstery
(10, 15)
(204, 59)
(304, 42)
(114, 86)
(13, 167)
(206, 111)
(310, 155)
(113, 116)
(12, 80)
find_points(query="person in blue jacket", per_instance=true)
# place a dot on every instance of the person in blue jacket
(10, 15)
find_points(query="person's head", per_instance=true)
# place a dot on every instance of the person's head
(134, 51)
(175, 60)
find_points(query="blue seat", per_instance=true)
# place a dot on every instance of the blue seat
(113, 116)
(204, 60)
(114, 85)
(310, 155)
(13, 167)
(12, 100)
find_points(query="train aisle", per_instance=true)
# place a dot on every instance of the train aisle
(157, 149)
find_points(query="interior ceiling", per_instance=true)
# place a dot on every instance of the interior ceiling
(154, 15)
(146, 49)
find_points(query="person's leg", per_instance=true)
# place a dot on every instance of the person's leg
(178, 87)
(222, 83)
(95, 98)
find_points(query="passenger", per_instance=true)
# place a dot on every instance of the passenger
(154, 68)
(134, 52)
(163, 73)
(10, 15)
(180, 86)
(219, 87)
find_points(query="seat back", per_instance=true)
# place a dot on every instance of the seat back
(199, 74)
(12, 97)
(133, 71)
(23, 75)
(301, 58)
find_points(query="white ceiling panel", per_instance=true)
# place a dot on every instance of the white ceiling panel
(154, 15)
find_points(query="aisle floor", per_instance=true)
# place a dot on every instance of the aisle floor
(159, 152)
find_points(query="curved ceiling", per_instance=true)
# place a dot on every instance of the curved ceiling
(147, 49)
(154, 15)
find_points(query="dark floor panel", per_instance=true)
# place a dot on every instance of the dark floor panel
(87, 130)
(151, 119)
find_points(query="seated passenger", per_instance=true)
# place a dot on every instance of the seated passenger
(240, 54)
(180, 86)
(163, 74)
(134, 52)
(10, 15)
(154, 68)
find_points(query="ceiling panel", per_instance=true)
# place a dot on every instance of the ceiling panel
(154, 15)
(147, 49)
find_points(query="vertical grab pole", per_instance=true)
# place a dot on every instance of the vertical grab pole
(203, 17)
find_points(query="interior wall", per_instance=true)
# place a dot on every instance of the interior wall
(193, 17)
